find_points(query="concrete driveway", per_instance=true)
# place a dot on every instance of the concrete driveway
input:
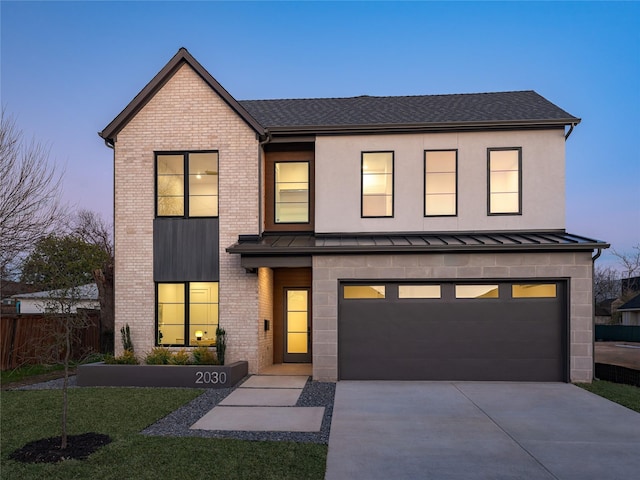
(470, 430)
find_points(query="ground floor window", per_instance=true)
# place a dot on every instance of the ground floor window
(186, 313)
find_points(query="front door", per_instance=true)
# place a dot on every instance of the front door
(297, 325)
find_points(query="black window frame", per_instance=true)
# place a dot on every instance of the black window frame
(185, 155)
(393, 183)
(275, 203)
(424, 179)
(503, 149)
(187, 308)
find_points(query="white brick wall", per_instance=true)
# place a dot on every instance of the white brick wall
(186, 114)
(327, 270)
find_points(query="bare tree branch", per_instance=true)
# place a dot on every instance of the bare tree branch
(30, 188)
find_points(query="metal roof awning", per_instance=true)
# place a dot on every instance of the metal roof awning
(300, 245)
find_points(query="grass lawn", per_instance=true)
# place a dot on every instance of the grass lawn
(122, 413)
(625, 395)
(28, 371)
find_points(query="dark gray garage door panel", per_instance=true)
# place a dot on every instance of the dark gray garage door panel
(463, 339)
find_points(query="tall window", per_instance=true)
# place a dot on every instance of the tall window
(504, 181)
(187, 184)
(440, 182)
(377, 184)
(292, 192)
(187, 313)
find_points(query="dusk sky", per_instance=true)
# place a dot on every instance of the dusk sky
(68, 68)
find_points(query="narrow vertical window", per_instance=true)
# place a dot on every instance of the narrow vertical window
(171, 308)
(377, 184)
(170, 185)
(505, 181)
(292, 192)
(440, 183)
(203, 184)
(203, 313)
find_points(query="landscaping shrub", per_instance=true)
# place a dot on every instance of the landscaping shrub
(204, 356)
(159, 356)
(181, 357)
(127, 358)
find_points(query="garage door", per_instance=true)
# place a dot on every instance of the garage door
(505, 331)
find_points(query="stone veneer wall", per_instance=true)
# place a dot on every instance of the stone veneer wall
(265, 312)
(327, 270)
(186, 114)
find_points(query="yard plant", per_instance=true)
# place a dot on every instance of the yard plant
(122, 413)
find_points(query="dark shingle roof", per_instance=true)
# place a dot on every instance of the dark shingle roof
(633, 304)
(525, 107)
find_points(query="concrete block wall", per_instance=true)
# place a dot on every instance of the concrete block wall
(577, 267)
(184, 115)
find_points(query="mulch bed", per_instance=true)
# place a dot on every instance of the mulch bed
(48, 450)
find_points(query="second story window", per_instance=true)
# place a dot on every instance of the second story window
(377, 184)
(504, 181)
(187, 184)
(440, 183)
(292, 192)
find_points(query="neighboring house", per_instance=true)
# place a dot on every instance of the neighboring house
(52, 301)
(418, 237)
(630, 311)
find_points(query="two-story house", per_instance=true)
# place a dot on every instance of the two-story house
(417, 237)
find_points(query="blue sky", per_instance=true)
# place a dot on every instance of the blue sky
(68, 68)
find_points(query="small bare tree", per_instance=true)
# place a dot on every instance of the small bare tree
(606, 283)
(30, 186)
(63, 266)
(630, 267)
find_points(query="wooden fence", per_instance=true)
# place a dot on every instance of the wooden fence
(35, 338)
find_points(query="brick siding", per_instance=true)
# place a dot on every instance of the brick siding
(185, 114)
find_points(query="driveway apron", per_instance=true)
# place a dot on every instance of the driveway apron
(488, 430)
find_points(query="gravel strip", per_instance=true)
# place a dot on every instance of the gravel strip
(177, 423)
(50, 384)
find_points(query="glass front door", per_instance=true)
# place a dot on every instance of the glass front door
(297, 323)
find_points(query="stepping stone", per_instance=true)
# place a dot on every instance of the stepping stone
(262, 397)
(275, 381)
(262, 419)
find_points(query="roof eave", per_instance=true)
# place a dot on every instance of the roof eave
(259, 250)
(111, 131)
(422, 127)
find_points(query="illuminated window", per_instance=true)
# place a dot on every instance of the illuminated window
(536, 290)
(419, 291)
(504, 181)
(364, 291)
(187, 184)
(440, 182)
(292, 192)
(187, 313)
(377, 184)
(476, 291)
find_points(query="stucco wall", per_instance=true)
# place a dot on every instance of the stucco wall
(328, 270)
(338, 182)
(186, 114)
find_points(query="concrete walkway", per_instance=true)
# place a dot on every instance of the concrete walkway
(466, 430)
(264, 404)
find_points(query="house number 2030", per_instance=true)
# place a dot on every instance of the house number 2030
(211, 377)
